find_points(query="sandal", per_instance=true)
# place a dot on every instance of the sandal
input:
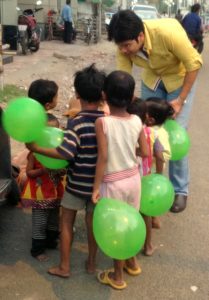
(107, 280)
(133, 272)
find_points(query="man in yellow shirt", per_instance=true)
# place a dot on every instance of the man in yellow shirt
(170, 67)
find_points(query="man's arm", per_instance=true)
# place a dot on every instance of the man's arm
(123, 62)
(189, 80)
(179, 44)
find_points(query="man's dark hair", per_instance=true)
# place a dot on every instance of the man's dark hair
(138, 107)
(68, 2)
(43, 91)
(195, 8)
(119, 89)
(89, 83)
(159, 109)
(125, 25)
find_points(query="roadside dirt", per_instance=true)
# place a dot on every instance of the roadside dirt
(58, 61)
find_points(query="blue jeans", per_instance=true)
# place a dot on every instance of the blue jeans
(178, 170)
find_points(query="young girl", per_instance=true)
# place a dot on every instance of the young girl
(117, 174)
(153, 113)
(43, 191)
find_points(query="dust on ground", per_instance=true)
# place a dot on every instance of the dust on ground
(58, 61)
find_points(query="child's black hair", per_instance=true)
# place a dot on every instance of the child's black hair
(43, 91)
(138, 107)
(119, 89)
(89, 84)
(159, 110)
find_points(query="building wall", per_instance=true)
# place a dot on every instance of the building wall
(8, 12)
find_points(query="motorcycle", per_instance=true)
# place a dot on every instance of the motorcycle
(29, 34)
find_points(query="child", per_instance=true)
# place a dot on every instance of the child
(80, 148)
(43, 191)
(46, 93)
(153, 113)
(117, 173)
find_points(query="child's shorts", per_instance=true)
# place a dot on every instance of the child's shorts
(127, 190)
(73, 202)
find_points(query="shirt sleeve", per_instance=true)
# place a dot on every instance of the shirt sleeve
(69, 14)
(158, 147)
(123, 62)
(179, 44)
(69, 146)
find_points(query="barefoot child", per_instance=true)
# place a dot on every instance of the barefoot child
(43, 191)
(153, 113)
(117, 172)
(80, 148)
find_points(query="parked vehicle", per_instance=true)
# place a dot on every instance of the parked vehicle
(8, 187)
(89, 29)
(108, 17)
(29, 34)
(145, 12)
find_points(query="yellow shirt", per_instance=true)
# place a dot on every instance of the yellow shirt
(170, 55)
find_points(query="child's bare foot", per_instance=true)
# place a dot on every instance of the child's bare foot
(57, 271)
(42, 257)
(90, 267)
(156, 223)
(149, 250)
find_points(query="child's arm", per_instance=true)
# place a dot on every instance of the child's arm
(159, 158)
(67, 150)
(143, 150)
(30, 171)
(101, 159)
(159, 161)
(51, 152)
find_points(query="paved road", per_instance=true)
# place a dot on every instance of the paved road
(178, 270)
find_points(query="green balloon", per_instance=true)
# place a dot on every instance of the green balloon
(118, 228)
(178, 139)
(23, 119)
(157, 195)
(50, 137)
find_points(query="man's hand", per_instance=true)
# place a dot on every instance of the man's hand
(177, 106)
(95, 196)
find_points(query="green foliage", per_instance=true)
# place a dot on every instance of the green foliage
(11, 91)
(108, 3)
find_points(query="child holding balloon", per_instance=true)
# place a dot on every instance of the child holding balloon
(117, 174)
(153, 112)
(43, 191)
(79, 147)
(46, 93)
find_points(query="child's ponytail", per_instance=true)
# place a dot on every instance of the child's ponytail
(159, 109)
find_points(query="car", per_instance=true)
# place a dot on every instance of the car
(145, 12)
(9, 191)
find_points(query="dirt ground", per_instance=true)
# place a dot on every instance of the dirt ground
(58, 61)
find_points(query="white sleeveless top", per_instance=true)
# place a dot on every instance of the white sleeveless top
(122, 139)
